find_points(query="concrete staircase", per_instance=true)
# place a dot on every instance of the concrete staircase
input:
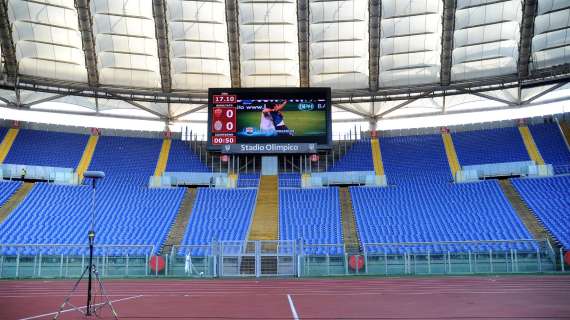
(178, 229)
(265, 225)
(7, 142)
(15, 200)
(377, 156)
(349, 231)
(87, 156)
(565, 128)
(530, 145)
(163, 157)
(451, 154)
(525, 213)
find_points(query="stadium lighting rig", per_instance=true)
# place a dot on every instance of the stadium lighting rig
(91, 309)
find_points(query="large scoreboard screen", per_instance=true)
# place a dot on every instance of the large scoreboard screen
(269, 115)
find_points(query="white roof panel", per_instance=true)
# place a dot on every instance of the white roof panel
(486, 39)
(410, 42)
(47, 39)
(127, 53)
(198, 44)
(551, 41)
(338, 44)
(269, 53)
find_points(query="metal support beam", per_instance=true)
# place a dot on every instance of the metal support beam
(545, 92)
(161, 32)
(144, 108)
(374, 13)
(303, 35)
(178, 116)
(486, 96)
(352, 110)
(449, 7)
(401, 105)
(527, 31)
(233, 41)
(7, 44)
(47, 99)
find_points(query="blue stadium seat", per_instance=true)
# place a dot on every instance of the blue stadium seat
(414, 159)
(311, 215)
(248, 180)
(46, 148)
(357, 158)
(435, 213)
(128, 213)
(551, 145)
(490, 146)
(7, 189)
(289, 180)
(218, 215)
(183, 159)
(549, 200)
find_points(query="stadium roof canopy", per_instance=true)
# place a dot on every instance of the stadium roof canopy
(382, 58)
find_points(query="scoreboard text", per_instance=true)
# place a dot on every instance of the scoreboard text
(224, 119)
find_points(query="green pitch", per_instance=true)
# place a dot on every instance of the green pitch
(305, 123)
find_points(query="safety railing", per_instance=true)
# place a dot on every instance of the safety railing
(227, 259)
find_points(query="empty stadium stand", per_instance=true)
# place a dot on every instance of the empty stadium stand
(218, 215)
(434, 213)
(489, 146)
(7, 189)
(411, 159)
(357, 158)
(182, 159)
(128, 212)
(248, 180)
(552, 147)
(289, 180)
(47, 148)
(313, 216)
(548, 198)
(56, 214)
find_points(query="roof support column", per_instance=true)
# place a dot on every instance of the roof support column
(527, 31)
(88, 40)
(161, 32)
(449, 7)
(232, 19)
(7, 43)
(303, 34)
(374, 14)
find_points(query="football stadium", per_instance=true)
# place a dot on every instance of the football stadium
(284, 159)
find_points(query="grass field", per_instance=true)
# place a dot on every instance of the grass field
(305, 123)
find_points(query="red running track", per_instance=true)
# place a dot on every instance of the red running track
(510, 297)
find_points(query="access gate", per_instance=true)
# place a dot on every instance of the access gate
(257, 258)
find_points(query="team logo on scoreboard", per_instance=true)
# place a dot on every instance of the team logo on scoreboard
(227, 147)
(218, 125)
(249, 130)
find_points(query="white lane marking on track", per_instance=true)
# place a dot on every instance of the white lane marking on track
(292, 306)
(83, 307)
